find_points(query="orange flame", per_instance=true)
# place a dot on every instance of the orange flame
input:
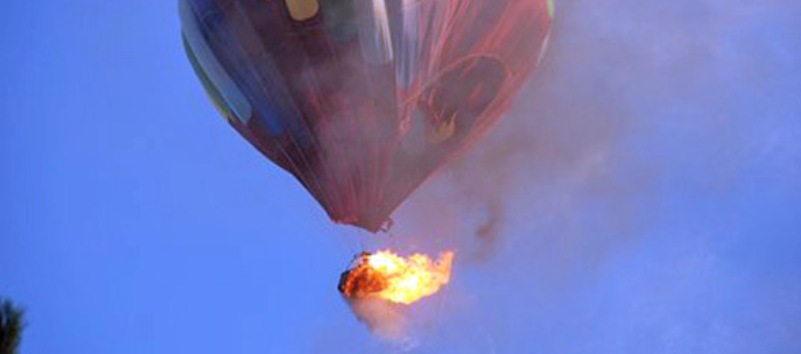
(391, 277)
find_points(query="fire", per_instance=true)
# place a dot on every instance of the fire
(391, 277)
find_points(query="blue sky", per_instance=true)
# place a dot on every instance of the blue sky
(650, 196)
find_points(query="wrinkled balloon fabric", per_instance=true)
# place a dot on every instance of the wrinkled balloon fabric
(362, 100)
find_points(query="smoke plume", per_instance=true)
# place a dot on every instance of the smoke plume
(640, 110)
(593, 128)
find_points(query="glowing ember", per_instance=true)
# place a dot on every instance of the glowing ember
(393, 278)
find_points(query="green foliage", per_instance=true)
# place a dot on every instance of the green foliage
(11, 325)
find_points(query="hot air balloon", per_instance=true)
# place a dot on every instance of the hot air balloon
(362, 100)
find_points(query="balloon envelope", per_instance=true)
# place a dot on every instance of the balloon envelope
(362, 100)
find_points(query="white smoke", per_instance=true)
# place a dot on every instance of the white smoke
(633, 96)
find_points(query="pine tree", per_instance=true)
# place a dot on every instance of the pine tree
(10, 327)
